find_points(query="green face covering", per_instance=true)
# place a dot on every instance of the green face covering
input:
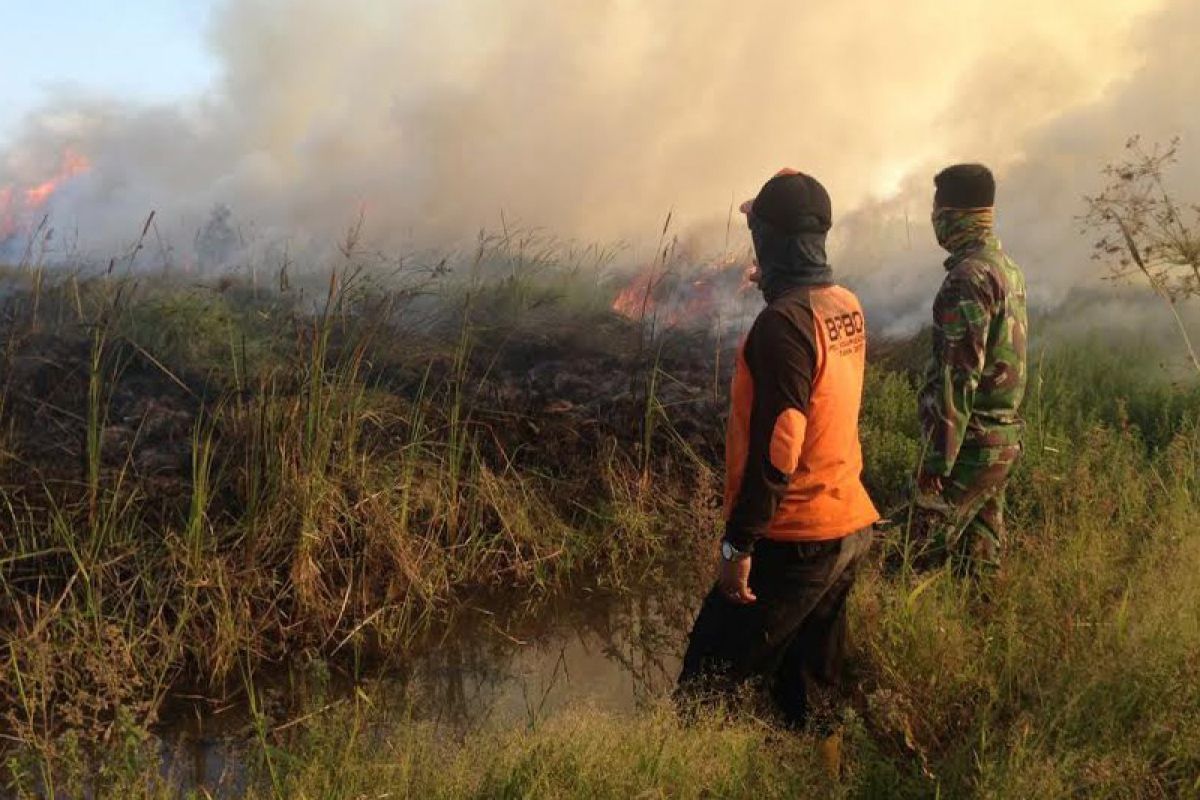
(959, 229)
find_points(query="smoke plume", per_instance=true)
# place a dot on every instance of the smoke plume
(594, 119)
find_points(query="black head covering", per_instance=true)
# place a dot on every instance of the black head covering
(792, 203)
(788, 221)
(965, 186)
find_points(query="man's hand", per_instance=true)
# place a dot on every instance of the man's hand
(929, 484)
(753, 274)
(735, 581)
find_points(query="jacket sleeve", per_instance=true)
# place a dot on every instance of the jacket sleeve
(782, 358)
(962, 314)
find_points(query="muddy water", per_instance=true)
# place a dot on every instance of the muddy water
(611, 652)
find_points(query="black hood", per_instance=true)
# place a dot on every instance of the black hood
(788, 260)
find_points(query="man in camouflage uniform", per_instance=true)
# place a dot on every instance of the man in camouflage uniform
(974, 383)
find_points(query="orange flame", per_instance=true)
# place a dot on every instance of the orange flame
(636, 299)
(679, 301)
(72, 164)
(17, 204)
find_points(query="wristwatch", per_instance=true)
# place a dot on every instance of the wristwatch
(731, 553)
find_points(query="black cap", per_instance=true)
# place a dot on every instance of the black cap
(965, 186)
(792, 202)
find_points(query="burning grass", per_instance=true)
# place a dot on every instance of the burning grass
(198, 482)
(22, 207)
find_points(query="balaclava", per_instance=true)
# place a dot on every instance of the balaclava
(788, 220)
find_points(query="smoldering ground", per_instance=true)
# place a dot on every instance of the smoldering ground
(593, 120)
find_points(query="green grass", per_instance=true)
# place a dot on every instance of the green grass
(345, 474)
(195, 480)
(1071, 673)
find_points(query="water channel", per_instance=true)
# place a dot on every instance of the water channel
(612, 651)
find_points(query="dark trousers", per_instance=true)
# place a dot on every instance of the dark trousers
(792, 638)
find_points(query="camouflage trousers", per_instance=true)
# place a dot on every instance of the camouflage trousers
(964, 524)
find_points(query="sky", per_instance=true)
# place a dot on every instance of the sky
(150, 50)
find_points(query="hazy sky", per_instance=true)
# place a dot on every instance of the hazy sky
(134, 49)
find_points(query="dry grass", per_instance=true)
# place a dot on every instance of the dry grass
(334, 480)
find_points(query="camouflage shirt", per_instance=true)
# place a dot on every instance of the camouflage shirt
(975, 381)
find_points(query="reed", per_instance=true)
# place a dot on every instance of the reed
(198, 483)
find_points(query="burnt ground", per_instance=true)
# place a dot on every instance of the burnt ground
(555, 396)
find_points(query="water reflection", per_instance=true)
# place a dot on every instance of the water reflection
(611, 652)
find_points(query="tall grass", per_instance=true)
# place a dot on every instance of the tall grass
(196, 484)
(248, 480)
(1069, 673)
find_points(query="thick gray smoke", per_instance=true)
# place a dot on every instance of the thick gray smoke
(593, 119)
(1043, 181)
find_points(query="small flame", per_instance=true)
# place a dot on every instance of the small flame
(635, 300)
(676, 300)
(18, 204)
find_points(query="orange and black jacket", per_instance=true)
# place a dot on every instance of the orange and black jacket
(792, 455)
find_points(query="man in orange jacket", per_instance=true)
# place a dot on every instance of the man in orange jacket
(798, 519)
